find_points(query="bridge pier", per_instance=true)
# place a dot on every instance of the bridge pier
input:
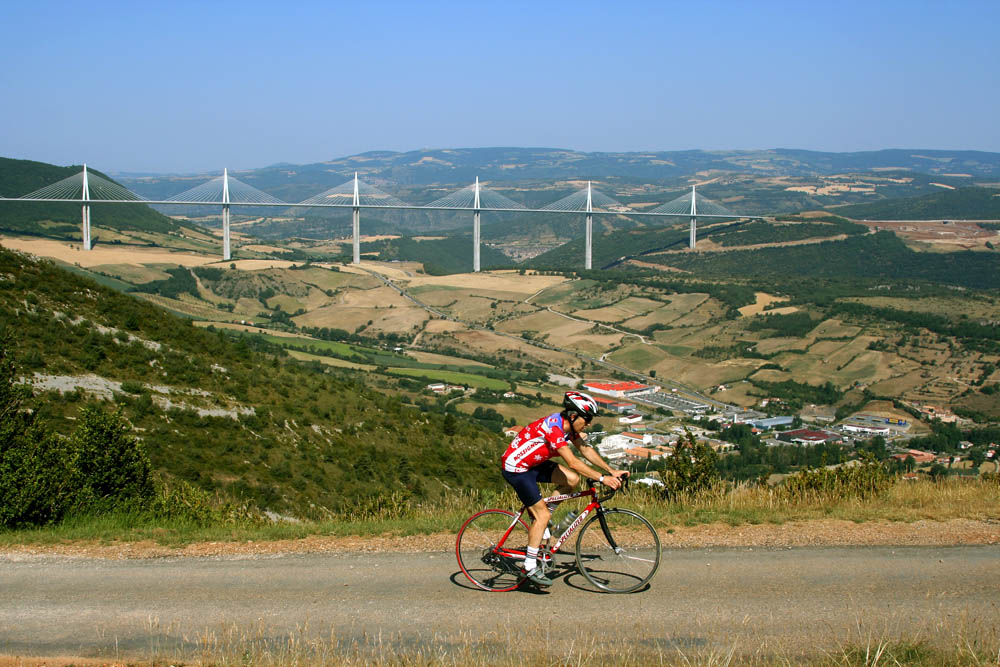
(85, 196)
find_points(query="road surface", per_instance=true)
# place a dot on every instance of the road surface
(788, 600)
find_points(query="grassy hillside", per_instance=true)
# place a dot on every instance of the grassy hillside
(235, 416)
(961, 204)
(881, 255)
(20, 177)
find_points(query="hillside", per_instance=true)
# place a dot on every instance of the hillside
(20, 177)
(877, 256)
(958, 204)
(235, 416)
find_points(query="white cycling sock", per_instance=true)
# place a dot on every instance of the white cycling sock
(531, 561)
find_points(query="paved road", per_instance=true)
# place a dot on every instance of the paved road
(700, 600)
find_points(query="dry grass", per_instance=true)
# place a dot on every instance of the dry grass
(511, 644)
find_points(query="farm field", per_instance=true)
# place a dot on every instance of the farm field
(73, 253)
(621, 311)
(763, 300)
(672, 312)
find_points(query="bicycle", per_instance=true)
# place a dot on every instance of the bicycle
(617, 550)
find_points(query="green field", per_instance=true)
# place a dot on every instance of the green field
(452, 377)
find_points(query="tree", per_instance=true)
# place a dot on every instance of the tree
(450, 426)
(937, 472)
(876, 446)
(692, 468)
(977, 456)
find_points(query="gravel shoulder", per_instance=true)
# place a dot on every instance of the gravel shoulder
(827, 532)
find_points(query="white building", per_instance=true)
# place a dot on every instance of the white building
(614, 447)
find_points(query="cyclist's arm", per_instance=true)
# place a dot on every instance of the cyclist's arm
(594, 458)
(586, 471)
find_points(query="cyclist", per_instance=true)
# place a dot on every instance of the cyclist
(526, 463)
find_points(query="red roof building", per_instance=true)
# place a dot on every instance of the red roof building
(619, 389)
(918, 456)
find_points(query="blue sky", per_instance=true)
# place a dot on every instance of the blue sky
(195, 86)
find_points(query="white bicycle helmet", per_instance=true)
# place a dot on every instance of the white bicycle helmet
(581, 404)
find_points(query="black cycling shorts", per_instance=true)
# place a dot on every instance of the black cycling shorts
(526, 483)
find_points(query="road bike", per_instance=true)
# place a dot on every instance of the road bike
(617, 550)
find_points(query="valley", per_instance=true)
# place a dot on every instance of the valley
(274, 359)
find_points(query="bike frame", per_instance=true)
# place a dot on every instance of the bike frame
(593, 505)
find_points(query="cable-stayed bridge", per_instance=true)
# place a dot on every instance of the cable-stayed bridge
(224, 191)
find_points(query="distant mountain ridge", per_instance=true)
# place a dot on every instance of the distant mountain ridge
(460, 166)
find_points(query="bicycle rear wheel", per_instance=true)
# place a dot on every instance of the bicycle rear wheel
(618, 551)
(487, 563)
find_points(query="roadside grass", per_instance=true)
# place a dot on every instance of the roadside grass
(397, 515)
(510, 646)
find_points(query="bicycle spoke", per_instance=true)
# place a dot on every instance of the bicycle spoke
(487, 566)
(618, 551)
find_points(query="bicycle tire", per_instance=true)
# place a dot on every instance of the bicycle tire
(618, 550)
(478, 557)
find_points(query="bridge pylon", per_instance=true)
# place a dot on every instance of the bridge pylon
(226, 254)
(694, 219)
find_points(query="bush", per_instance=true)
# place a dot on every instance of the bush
(111, 467)
(33, 463)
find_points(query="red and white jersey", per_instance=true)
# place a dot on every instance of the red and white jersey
(537, 442)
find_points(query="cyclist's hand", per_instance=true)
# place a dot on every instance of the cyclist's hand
(620, 473)
(612, 482)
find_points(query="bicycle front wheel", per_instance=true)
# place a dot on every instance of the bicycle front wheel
(618, 551)
(490, 561)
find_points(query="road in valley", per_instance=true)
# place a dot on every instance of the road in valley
(789, 599)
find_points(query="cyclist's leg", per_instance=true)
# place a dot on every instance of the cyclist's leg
(526, 486)
(564, 478)
(540, 513)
